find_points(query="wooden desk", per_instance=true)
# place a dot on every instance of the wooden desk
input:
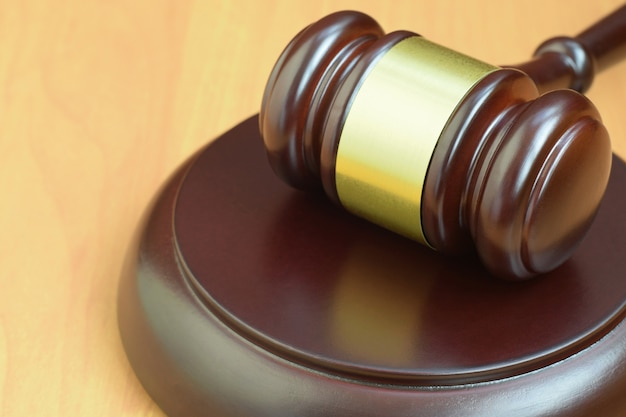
(100, 101)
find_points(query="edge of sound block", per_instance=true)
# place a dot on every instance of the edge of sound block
(192, 361)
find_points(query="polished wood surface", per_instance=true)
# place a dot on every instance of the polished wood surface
(328, 310)
(574, 61)
(101, 101)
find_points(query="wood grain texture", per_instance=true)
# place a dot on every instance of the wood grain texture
(101, 100)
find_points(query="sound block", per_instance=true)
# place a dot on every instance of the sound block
(244, 297)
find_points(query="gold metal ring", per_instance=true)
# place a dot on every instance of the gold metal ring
(393, 126)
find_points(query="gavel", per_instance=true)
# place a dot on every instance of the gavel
(509, 162)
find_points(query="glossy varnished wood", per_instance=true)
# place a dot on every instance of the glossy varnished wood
(101, 100)
(517, 175)
(572, 62)
(510, 168)
(251, 298)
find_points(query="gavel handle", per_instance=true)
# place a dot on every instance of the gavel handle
(606, 39)
(564, 62)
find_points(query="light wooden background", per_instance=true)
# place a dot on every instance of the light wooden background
(101, 100)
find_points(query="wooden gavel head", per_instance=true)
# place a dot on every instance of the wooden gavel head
(440, 147)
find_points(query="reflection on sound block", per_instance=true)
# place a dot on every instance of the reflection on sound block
(244, 297)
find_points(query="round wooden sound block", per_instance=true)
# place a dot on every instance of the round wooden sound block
(244, 297)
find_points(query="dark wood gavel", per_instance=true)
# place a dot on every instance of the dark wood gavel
(442, 148)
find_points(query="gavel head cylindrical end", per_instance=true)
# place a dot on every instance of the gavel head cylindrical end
(541, 187)
(301, 88)
(434, 145)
